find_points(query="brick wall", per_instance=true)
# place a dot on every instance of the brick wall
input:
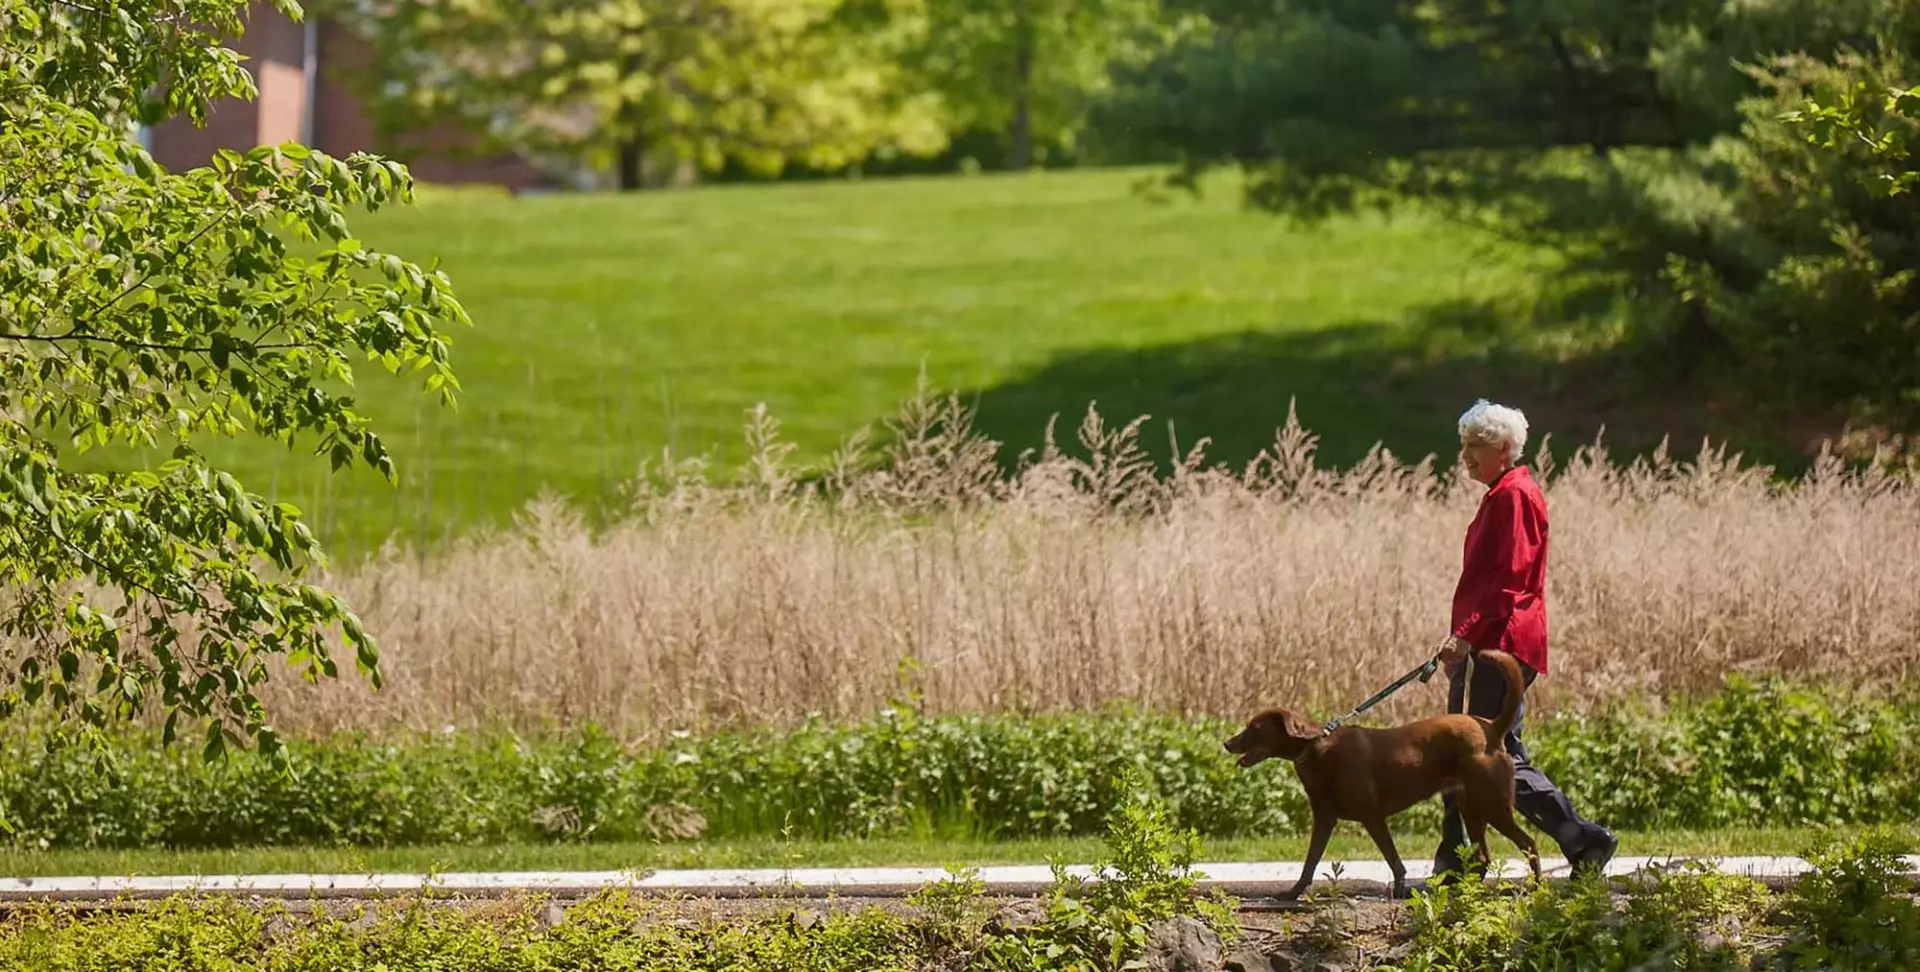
(275, 50)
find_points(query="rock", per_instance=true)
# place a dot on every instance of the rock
(1017, 916)
(1182, 944)
(1247, 958)
(1341, 960)
(1721, 938)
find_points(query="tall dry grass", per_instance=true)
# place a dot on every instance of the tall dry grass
(1076, 582)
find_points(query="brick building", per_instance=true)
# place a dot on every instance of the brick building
(303, 98)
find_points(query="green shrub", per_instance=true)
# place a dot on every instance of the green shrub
(1852, 911)
(1144, 878)
(610, 932)
(1752, 755)
(1764, 755)
(1090, 927)
(1849, 914)
(1687, 920)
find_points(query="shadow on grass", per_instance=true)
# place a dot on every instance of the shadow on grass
(1400, 382)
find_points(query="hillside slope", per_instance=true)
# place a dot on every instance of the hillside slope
(608, 328)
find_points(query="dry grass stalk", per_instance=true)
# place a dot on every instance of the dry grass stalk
(1075, 582)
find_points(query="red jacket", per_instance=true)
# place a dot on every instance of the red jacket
(1501, 600)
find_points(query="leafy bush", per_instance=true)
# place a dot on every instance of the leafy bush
(1848, 914)
(1089, 927)
(1851, 912)
(611, 931)
(1146, 878)
(1686, 920)
(1752, 755)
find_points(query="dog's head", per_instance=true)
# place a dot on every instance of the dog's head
(1273, 734)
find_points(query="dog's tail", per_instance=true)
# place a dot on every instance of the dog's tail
(1509, 667)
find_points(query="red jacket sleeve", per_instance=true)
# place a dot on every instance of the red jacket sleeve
(1500, 563)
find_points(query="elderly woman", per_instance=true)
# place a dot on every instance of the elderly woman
(1500, 602)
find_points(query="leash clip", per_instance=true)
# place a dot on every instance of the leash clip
(1427, 670)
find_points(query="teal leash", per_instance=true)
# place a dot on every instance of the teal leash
(1423, 673)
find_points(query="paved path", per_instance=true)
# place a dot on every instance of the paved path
(1240, 879)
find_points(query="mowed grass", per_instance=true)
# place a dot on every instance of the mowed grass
(609, 328)
(1348, 844)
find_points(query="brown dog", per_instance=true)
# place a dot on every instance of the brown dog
(1368, 775)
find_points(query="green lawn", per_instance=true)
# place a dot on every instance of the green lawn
(1349, 843)
(611, 327)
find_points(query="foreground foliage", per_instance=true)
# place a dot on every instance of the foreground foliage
(1854, 911)
(1752, 756)
(1086, 926)
(1850, 913)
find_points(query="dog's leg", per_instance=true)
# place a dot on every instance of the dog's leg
(1477, 834)
(1383, 838)
(1511, 828)
(1322, 832)
(1501, 814)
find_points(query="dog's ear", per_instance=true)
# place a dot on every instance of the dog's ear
(1299, 726)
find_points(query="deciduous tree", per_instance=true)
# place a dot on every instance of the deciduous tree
(614, 83)
(141, 308)
(1028, 68)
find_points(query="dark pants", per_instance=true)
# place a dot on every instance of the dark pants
(1534, 795)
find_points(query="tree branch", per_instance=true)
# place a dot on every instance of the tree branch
(56, 339)
(108, 572)
(167, 261)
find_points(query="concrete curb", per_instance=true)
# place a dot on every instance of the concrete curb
(1236, 878)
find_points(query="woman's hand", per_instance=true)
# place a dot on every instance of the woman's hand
(1453, 650)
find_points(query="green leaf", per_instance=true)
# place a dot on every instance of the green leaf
(216, 745)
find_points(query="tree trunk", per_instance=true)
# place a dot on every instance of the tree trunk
(1696, 340)
(1020, 128)
(632, 173)
(1576, 125)
(631, 115)
(1020, 136)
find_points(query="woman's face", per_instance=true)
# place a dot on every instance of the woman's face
(1484, 461)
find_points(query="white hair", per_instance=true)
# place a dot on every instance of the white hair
(1497, 424)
